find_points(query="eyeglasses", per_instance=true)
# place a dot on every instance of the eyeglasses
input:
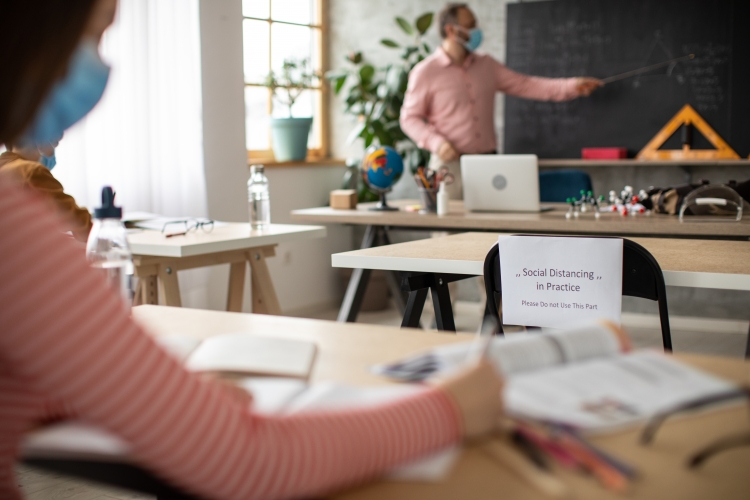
(183, 227)
(723, 444)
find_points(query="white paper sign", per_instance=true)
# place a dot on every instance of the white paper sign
(557, 282)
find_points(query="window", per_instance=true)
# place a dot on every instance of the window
(275, 30)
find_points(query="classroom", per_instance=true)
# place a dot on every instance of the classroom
(351, 249)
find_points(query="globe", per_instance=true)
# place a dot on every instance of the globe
(381, 168)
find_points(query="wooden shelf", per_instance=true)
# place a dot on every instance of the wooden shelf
(568, 163)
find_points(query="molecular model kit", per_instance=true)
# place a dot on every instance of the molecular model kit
(626, 204)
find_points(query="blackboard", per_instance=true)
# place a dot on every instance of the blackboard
(601, 38)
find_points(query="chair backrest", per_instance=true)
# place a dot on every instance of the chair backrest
(641, 277)
(559, 185)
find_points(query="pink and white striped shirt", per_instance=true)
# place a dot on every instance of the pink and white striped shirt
(447, 102)
(69, 347)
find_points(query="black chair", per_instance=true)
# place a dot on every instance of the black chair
(123, 475)
(641, 277)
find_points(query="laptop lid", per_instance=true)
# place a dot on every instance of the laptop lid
(500, 183)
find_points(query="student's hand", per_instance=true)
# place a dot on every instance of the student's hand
(585, 85)
(447, 152)
(476, 392)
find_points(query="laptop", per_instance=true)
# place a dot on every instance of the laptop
(501, 183)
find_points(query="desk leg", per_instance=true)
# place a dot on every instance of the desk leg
(169, 286)
(148, 290)
(441, 301)
(414, 307)
(357, 283)
(747, 346)
(264, 294)
(392, 278)
(236, 286)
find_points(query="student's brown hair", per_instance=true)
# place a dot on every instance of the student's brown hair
(449, 15)
(39, 37)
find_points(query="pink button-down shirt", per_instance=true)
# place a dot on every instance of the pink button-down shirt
(447, 102)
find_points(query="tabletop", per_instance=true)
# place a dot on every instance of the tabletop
(228, 236)
(346, 351)
(690, 263)
(552, 222)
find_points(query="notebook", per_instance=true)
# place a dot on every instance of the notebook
(243, 354)
(579, 377)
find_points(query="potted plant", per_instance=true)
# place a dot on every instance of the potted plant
(375, 96)
(289, 135)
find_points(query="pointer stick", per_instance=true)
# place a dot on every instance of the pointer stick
(647, 68)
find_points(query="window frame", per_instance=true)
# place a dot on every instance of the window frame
(323, 151)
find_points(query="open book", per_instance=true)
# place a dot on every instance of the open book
(243, 354)
(584, 377)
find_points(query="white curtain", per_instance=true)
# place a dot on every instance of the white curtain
(145, 136)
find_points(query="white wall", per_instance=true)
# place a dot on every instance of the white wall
(302, 271)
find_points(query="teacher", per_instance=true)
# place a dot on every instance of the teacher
(449, 107)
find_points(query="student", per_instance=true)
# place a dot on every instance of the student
(69, 347)
(31, 166)
(449, 107)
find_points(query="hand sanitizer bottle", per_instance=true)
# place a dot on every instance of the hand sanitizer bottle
(107, 247)
(258, 200)
(442, 200)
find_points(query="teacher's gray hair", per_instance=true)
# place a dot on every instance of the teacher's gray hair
(449, 15)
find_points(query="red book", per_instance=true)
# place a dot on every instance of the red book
(604, 153)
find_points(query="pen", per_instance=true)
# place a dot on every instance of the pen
(483, 340)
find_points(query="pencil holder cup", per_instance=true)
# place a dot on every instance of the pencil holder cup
(429, 200)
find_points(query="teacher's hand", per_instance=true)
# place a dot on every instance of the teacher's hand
(447, 152)
(585, 85)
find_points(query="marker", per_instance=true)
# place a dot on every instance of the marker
(634, 72)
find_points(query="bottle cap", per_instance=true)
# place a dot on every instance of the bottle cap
(108, 210)
(256, 169)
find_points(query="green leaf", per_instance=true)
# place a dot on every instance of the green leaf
(404, 24)
(366, 73)
(339, 84)
(389, 43)
(377, 113)
(395, 77)
(356, 132)
(426, 48)
(424, 22)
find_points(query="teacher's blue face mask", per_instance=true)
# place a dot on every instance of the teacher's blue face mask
(475, 40)
(72, 97)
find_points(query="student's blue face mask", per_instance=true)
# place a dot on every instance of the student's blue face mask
(475, 40)
(72, 97)
(48, 161)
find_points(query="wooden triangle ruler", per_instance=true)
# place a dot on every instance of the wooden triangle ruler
(687, 117)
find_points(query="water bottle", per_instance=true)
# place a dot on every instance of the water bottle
(107, 247)
(259, 203)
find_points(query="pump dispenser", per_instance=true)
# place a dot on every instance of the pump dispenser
(107, 247)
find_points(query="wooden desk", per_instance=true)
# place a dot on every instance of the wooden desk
(690, 263)
(554, 222)
(717, 264)
(346, 351)
(158, 258)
